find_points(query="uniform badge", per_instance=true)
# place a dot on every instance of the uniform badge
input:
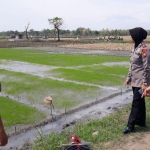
(144, 53)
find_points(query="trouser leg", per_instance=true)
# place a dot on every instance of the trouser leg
(138, 109)
(141, 119)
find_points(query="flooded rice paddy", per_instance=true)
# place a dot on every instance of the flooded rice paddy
(113, 98)
(98, 110)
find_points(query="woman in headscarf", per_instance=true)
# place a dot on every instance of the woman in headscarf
(139, 78)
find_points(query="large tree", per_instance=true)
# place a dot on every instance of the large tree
(56, 23)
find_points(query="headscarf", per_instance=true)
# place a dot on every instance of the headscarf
(138, 35)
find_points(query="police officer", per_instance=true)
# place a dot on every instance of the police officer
(138, 77)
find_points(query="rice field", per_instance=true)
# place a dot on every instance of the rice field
(71, 80)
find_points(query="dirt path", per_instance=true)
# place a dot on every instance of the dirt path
(143, 144)
(135, 144)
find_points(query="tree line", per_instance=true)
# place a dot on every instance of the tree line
(57, 22)
(71, 33)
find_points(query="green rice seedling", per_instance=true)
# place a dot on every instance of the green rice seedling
(98, 78)
(46, 58)
(15, 113)
(35, 89)
(110, 70)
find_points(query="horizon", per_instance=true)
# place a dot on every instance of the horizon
(65, 29)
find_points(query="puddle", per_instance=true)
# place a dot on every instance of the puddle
(123, 63)
(24, 67)
(89, 52)
(41, 71)
(98, 110)
(79, 51)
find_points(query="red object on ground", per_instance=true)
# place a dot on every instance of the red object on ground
(75, 139)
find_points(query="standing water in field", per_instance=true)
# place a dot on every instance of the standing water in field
(99, 110)
(85, 114)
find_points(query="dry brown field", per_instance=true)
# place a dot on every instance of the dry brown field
(81, 43)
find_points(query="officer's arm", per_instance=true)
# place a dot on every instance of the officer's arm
(144, 53)
(129, 74)
(3, 136)
(128, 79)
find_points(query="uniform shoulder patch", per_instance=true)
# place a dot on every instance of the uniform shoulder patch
(144, 52)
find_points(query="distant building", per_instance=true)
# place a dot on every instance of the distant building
(16, 36)
(45, 37)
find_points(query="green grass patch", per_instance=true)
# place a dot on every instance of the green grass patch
(110, 129)
(14, 113)
(45, 58)
(93, 77)
(102, 69)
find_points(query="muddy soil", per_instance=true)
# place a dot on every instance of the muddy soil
(91, 44)
(78, 44)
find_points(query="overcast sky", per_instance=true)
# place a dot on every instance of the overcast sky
(93, 14)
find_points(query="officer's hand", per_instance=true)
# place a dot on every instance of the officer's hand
(127, 82)
(146, 92)
(143, 87)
